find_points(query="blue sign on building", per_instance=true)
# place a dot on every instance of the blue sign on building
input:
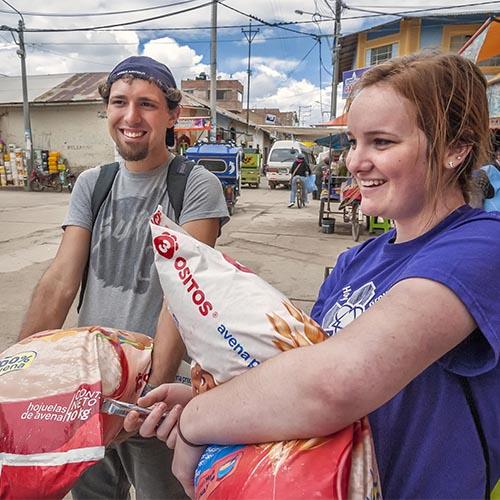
(349, 78)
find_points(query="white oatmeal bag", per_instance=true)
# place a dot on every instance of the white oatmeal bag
(231, 320)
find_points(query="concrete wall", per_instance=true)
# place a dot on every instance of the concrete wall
(77, 131)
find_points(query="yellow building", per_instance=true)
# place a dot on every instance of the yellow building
(411, 34)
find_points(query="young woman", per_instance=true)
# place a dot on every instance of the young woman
(413, 315)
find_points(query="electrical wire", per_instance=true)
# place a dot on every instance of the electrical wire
(428, 9)
(288, 75)
(273, 25)
(94, 14)
(191, 42)
(234, 26)
(57, 30)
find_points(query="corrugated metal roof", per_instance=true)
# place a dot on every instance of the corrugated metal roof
(11, 89)
(78, 87)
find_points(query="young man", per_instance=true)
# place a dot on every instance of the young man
(123, 290)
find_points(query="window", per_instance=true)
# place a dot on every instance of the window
(376, 55)
(188, 91)
(493, 61)
(283, 155)
(457, 42)
(213, 165)
(221, 95)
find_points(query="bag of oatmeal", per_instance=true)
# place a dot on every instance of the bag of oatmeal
(51, 389)
(232, 320)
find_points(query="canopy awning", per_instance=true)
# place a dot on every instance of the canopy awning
(334, 141)
(484, 43)
(298, 132)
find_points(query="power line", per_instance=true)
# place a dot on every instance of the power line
(274, 25)
(58, 30)
(281, 25)
(427, 9)
(190, 42)
(302, 60)
(93, 14)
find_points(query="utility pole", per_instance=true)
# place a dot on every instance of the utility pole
(21, 52)
(213, 74)
(249, 35)
(335, 59)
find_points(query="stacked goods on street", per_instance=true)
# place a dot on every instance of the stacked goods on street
(13, 164)
(232, 320)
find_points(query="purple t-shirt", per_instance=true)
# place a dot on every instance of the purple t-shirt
(426, 442)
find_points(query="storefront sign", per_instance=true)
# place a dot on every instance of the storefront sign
(349, 78)
(270, 119)
(194, 123)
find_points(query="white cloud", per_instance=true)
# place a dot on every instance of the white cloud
(181, 59)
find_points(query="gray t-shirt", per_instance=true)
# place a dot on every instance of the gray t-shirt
(123, 289)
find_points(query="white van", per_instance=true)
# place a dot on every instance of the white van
(280, 160)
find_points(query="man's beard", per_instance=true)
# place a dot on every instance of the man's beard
(129, 153)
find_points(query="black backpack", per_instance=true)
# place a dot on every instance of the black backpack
(177, 176)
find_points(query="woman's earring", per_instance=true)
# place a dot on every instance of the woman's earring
(451, 164)
(459, 157)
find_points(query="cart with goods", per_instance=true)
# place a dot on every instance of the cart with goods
(340, 195)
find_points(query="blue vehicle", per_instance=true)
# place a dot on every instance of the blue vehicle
(224, 161)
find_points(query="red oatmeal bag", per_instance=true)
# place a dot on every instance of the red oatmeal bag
(51, 389)
(232, 320)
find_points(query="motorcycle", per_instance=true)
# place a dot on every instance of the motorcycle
(67, 179)
(40, 180)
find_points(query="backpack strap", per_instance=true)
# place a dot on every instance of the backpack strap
(177, 176)
(107, 174)
(464, 383)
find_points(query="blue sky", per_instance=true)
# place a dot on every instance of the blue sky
(285, 65)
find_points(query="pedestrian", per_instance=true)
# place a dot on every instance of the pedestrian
(122, 288)
(413, 314)
(300, 170)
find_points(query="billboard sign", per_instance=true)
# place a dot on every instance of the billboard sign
(349, 78)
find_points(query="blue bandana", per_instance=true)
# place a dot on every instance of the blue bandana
(145, 68)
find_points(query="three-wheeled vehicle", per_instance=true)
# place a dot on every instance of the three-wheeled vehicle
(223, 160)
(250, 167)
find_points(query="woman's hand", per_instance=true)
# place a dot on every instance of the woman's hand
(166, 399)
(186, 459)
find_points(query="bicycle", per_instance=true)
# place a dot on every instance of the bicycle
(299, 192)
